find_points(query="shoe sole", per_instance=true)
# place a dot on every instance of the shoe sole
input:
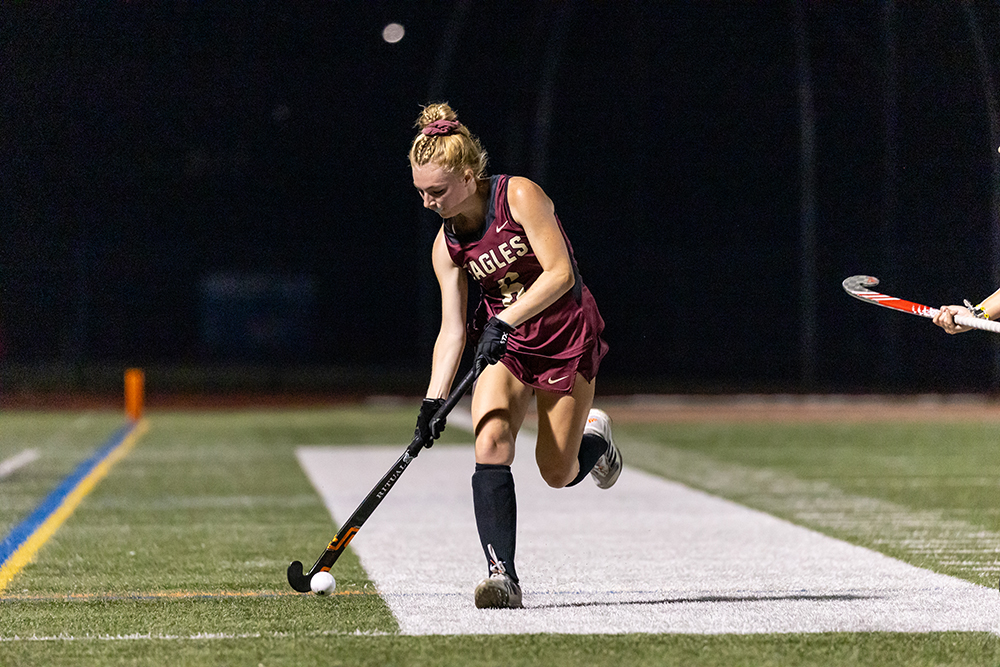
(609, 481)
(494, 597)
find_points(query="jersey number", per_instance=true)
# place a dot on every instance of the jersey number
(510, 288)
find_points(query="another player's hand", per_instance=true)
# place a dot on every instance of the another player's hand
(946, 318)
(493, 343)
(429, 429)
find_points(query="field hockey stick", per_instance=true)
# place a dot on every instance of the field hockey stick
(299, 580)
(858, 287)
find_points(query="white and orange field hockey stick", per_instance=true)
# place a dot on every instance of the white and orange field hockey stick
(858, 287)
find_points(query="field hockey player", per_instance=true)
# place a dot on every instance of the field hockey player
(537, 332)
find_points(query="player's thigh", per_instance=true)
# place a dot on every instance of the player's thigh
(499, 403)
(561, 420)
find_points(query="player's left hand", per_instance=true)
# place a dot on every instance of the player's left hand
(493, 343)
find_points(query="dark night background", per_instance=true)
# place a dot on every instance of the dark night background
(199, 185)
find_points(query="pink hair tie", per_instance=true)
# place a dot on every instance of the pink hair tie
(441, 127)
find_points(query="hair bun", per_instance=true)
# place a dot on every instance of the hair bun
(436, 112)
(446, 141)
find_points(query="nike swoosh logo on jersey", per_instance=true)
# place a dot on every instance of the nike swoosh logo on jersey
(555, 380)
(502, 226)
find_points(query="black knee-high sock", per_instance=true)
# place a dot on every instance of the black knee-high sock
(496, 512)
(592, 447)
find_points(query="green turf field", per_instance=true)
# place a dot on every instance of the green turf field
(178, 556)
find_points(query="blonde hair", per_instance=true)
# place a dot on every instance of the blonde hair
(454, 151)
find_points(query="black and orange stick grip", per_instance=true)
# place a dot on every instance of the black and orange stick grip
(297, 578)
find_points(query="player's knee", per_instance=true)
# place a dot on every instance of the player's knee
(494, 449)
(556, 474)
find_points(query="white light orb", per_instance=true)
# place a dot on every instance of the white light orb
(393, 32)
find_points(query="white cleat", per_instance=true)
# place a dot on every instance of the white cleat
(498, 591)
(609, 466)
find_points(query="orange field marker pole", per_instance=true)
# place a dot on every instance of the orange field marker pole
(135, 381)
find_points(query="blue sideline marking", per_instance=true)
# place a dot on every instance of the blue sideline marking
(24, 530)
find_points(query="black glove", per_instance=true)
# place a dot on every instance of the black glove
(493, 343)
(429, 429)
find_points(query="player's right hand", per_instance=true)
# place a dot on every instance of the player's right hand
(946, 318)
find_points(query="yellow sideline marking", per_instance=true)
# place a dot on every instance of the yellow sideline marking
(27, 551)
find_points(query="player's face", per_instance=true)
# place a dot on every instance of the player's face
(443, 191)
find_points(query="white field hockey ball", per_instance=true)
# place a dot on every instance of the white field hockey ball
(322, 583)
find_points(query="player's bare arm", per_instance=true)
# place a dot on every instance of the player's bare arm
(991, 305)
(534, 211)
(451, 337)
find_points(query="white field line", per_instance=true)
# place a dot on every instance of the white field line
(648, 556)
(9, 466)
(173, 504)
(201, 636)
(27, 456)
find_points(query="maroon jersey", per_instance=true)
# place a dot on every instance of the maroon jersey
(547, 350)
